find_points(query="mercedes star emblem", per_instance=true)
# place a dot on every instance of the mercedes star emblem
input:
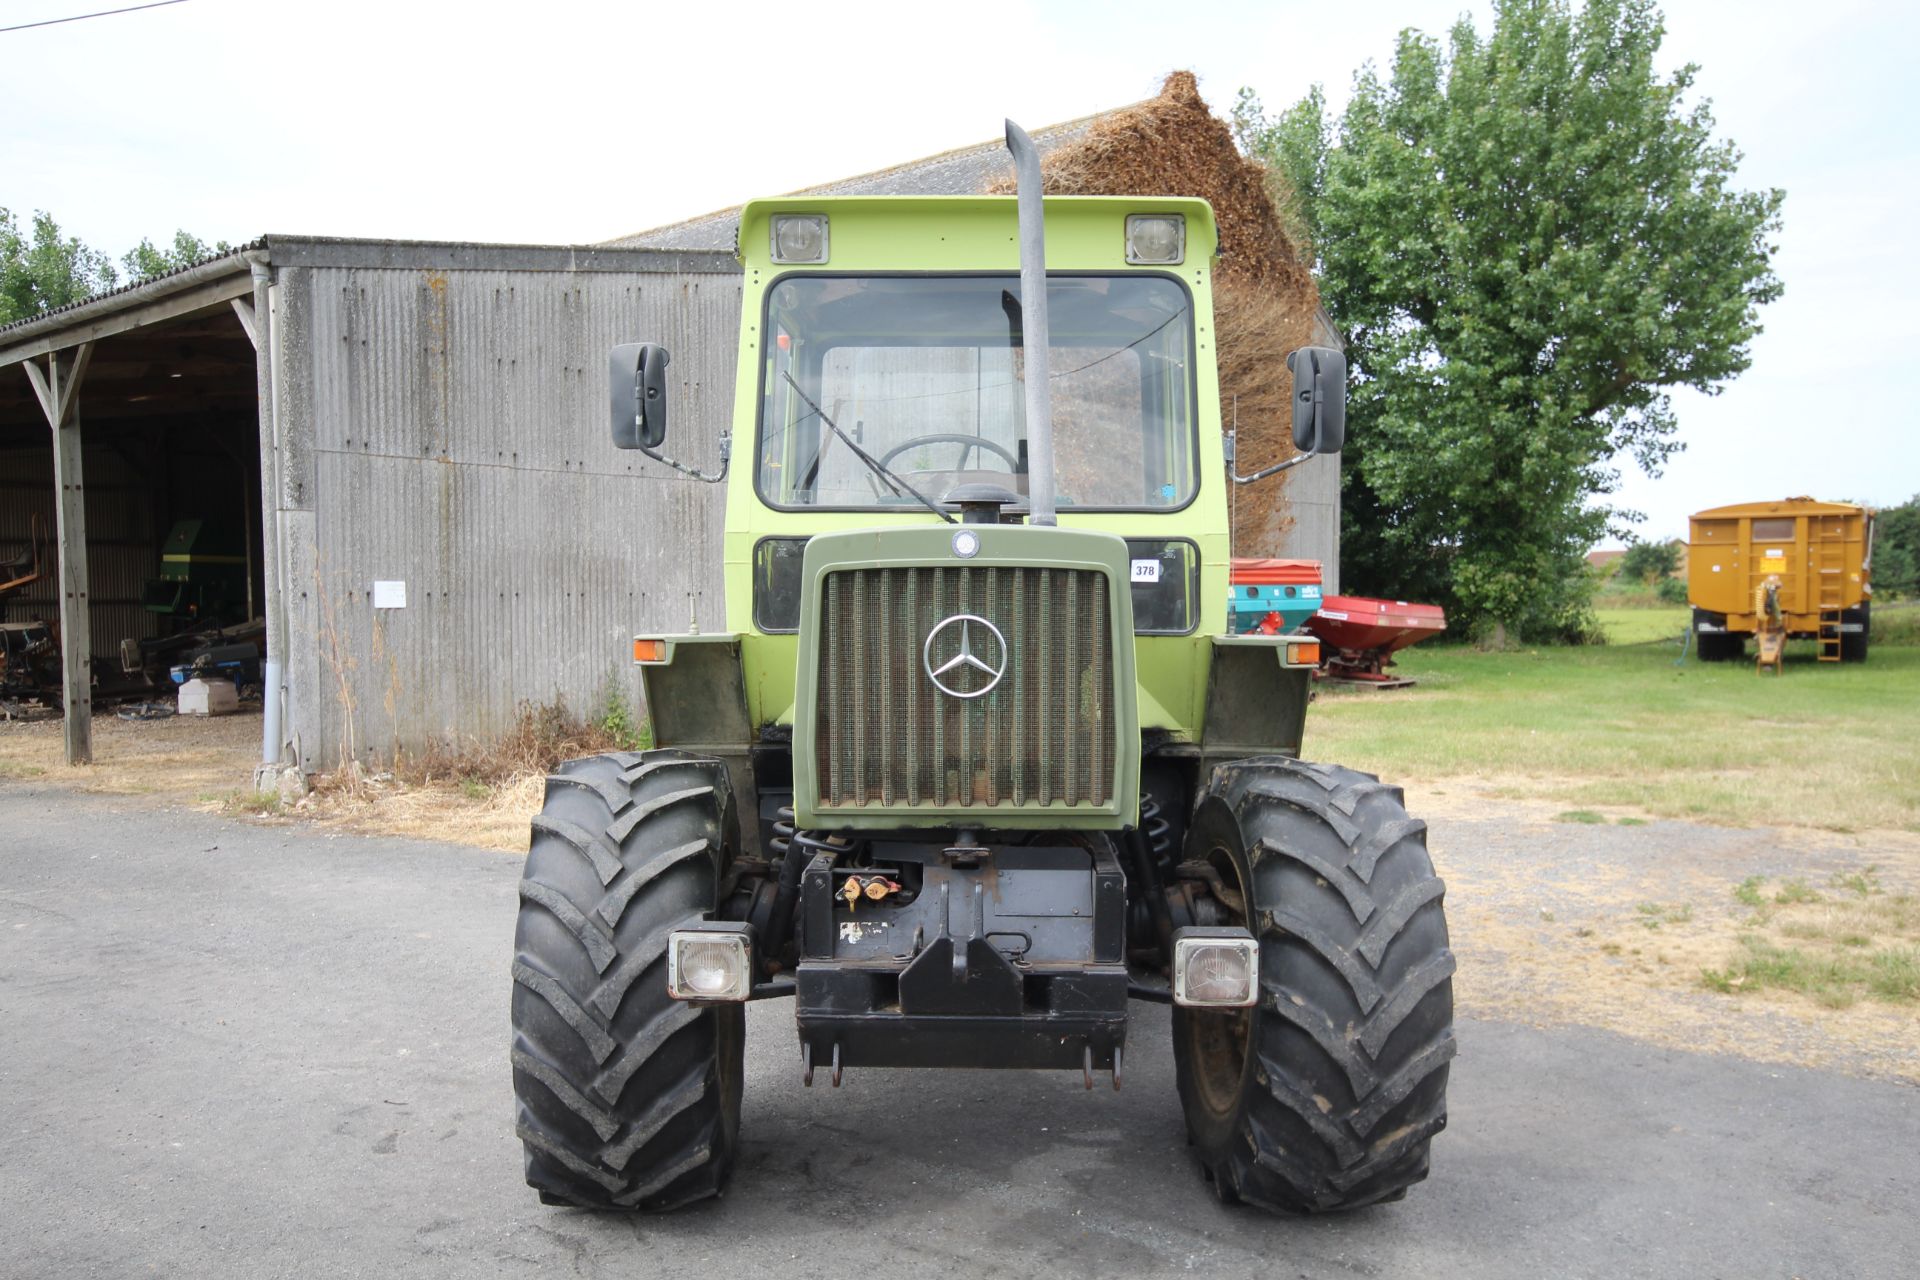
(966, 659)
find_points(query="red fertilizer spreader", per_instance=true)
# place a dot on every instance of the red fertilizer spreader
(1361, 635)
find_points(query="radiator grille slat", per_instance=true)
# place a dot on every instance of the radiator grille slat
(885, 734)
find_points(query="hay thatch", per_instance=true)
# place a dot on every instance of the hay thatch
(1264, 297)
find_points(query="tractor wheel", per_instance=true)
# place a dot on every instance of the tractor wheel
(1326, 1094)
(1853, 644)
(626, 1099)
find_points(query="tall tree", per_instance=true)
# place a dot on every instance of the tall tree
(46, 270)
(1896, 550)
(1649, 561)
(145, 261)
(1528, 239)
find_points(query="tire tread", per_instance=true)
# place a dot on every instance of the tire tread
(623, 1098)
(1353, 1034)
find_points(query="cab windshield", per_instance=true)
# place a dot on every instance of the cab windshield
(926, 375)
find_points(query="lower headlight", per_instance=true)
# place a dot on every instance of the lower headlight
(1216, 968)
(712, 962)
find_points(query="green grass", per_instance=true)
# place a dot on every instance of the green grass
(1795, 893)
(1895, 625)
(262, 804)
(1587, 816)
(1891, 974)
(618, 723)
(1836, 951)
(1643, 625)
(1861, 884)
(1824, 745)
(1654, 914)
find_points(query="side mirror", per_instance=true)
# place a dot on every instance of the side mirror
(637, 395)
(1319, 399)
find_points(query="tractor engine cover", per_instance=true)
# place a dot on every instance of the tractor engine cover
(978, 956)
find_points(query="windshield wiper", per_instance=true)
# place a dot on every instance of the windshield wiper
(894, 482)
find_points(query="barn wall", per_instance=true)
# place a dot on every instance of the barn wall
(442, 419)
(1313, 502)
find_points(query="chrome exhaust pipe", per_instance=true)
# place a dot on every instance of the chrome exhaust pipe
(1033, 326)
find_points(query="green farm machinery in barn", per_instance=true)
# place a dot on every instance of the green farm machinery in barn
(979, 766)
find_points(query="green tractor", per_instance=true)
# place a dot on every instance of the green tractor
(976, 765)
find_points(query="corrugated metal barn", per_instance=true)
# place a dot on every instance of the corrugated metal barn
(429, 417)
(432, 415)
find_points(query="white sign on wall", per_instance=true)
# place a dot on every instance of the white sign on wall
(390, 595)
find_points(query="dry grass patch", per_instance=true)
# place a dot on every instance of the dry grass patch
(178, 758)
(1854, 941)
(482, 793)
(1816, 964)
(478, 792)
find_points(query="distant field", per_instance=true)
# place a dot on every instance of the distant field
(1621, 726)
(1638, 626)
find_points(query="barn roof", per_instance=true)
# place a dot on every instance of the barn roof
(964, 171)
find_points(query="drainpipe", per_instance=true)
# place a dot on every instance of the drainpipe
(1033, 325)
(272, 694)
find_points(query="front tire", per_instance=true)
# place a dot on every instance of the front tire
(1326, 1095)
(626, 1099)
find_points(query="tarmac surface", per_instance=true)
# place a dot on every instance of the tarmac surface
(232, 1049)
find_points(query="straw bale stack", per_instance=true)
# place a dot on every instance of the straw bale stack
(1264, 295)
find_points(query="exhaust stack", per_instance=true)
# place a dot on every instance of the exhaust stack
(1033, 326)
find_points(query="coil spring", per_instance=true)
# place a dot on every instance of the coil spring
(1158, 833)
(786, 837)
(782, 832)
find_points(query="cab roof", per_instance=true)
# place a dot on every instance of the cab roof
(979, 233)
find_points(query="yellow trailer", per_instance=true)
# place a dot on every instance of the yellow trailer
(1807, 564)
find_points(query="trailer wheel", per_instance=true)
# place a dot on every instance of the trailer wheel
(1853, 644)
(1325, 1095)
(1725, 647)
(1716, 646)
(625, 1098)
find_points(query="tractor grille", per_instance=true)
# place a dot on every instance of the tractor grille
(886, 735)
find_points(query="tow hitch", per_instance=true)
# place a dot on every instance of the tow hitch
(967, 955)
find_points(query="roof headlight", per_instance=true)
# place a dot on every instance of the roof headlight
(1159, 239)
(800, 237)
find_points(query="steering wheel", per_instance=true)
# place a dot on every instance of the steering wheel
(1013, 463)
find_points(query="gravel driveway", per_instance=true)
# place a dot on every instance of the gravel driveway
(247, 1050)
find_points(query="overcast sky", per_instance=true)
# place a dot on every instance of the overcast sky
(576, 121)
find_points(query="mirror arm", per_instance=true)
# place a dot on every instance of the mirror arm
(726, 457)
(1232, 450)
(1275, 469)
